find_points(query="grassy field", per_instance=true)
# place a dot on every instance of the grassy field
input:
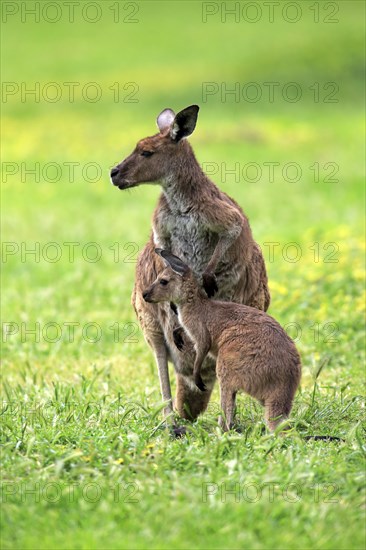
(86, 463)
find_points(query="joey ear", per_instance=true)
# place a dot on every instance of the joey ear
(184, 123)
(173, 262)
(165, 119)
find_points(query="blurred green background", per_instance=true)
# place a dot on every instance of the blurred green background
(142, 57)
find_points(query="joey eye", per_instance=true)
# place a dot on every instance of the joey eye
(146, 153)
(163, 282)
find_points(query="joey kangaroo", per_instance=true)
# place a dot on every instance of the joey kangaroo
(208, 230)
(252, 351)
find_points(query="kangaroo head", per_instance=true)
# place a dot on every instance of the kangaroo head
(155, 158)
(173, 284)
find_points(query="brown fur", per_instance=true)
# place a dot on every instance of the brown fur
(252, 351)
(207, 229)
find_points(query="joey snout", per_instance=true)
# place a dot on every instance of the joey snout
(147, 295)
(154, 295)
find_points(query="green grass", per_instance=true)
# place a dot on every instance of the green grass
(81, 421)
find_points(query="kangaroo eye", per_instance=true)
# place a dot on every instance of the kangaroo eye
(146, 153)
(163, 282)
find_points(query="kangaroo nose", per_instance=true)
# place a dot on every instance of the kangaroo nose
(114, 172)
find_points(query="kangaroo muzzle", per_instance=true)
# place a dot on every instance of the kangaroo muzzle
(118, 176)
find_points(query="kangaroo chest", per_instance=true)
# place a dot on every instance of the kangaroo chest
(186, 236)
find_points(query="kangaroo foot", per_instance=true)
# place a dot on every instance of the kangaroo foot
(178, 431)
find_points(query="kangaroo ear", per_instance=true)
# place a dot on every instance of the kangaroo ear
(165, 119)
(184, 123)
(172, 261)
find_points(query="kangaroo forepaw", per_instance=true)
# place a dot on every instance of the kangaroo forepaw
(178, 338)
(210, 284)
(199, 383)
(174, 308)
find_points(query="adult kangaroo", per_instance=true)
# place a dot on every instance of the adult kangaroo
(208, 231)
